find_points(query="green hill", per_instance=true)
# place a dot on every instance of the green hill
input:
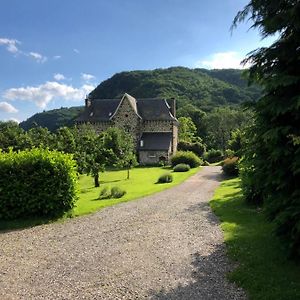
(53, 119)
(204, 89)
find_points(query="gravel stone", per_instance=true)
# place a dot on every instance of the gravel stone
(165, 246)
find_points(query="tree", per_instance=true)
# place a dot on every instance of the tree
(271, 167)
(187, 129)
(122, 149)
(11, 136)
(220, 123)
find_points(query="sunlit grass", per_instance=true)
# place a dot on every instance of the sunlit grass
(263, 268)
(142, 182)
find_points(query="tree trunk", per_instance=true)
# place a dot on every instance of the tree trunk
(96, 179)
(128, 173)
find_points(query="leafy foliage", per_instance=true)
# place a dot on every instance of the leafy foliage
(181, 168)
(213, 156)
(36, 183)
(197, 147)
(165, 178)
(117, 192)
(273, 138)
(53, 119)
(186, 157)
(230, 166)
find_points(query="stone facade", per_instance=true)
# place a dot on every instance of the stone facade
(135, 117)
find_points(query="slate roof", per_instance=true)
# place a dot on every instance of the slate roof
(156, 141)
(100, 110)
(147, 109)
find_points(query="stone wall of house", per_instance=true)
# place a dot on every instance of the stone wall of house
(157, 126)
(175, 139)
(127, 119)
(152, 157)
(102, 126)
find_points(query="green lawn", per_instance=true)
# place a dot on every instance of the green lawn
(263, 268)
(142, 182)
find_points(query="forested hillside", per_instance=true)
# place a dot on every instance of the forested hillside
(53, 119)
(204, 89)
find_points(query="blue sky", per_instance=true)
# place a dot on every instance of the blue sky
(53, 52)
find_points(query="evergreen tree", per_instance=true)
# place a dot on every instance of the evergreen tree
(271, 167)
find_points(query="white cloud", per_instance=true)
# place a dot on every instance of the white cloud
(43, 94)
(14, 119)
(76, 50)
(11, 45)
(87, 77)
(223, 60)
(56, 57)
(38, 57)
(8, 108)
(59, 76)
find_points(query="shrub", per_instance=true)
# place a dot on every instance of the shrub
(117, 192)
(230, 166)
(205, 163)
(181, 168)
(186, 157)
(213, 156)
(197, 147)
(165, 178)
(36, 183)
(105, 193)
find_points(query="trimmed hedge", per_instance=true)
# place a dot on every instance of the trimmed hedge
(181, 168)
(213, 156)
(36, 183)
(186, 157)
(165, 178)
(197, 148)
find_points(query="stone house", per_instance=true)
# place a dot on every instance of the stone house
(152, 123)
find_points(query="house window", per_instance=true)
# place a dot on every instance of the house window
(141, 143)
(151, 154)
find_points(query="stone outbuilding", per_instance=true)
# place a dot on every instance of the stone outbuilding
(152, 123)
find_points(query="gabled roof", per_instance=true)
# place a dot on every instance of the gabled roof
(99, 110)
(132, 103)
(155, 141)
(146, 109)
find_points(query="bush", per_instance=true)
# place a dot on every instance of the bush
(117, 192)
(197, 147)
(181, 168)
(105, 193)
(230, 166)
(165, 178)
(36, 183)
(213, 156)
(186, 157)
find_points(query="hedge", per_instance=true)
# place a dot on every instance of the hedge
(36, 183)
(186, 157)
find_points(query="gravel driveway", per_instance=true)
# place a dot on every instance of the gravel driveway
(165, 246)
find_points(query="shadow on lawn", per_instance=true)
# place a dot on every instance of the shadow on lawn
(208, 280)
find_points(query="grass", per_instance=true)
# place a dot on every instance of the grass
(264, 270)
(142, 182)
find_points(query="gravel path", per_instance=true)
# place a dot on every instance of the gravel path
(165, 246)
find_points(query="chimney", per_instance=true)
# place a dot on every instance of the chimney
(87, 101)
(173, 106)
